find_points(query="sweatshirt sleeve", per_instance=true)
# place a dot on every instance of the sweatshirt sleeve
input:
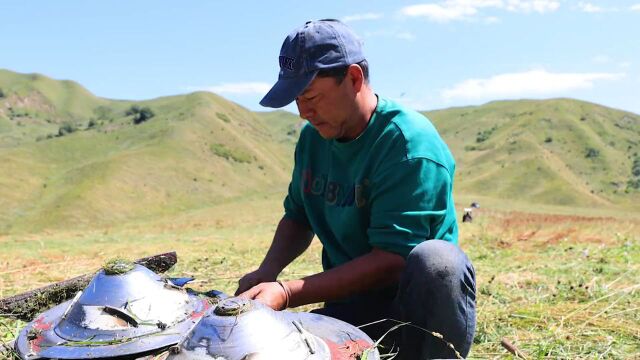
(409, 205)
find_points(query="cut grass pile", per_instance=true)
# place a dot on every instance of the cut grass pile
(556, 286)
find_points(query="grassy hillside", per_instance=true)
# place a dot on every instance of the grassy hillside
(284, 125)
(39, 95)
(559, 152)
(33, 105)
(197, 150)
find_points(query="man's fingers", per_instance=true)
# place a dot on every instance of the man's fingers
(250, 294)
(271, 294)
(246, 283)
(241, 288)
(252, 279)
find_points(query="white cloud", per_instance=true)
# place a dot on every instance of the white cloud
(590, 8)
(360, 17)
(241, 88)
(449, 10)
(539, 6)
(452, 10)
(529, 83)
(439, 13)
(635, 7)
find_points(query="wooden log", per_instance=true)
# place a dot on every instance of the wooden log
(27, 305)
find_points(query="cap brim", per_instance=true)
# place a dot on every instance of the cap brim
(286, 90)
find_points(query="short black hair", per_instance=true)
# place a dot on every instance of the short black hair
(339, 73)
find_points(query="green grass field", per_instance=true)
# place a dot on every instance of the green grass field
(556, 286)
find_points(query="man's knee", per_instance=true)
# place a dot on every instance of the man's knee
(437, 261)
(437, 292)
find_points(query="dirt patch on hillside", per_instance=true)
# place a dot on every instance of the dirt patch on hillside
(15, 107)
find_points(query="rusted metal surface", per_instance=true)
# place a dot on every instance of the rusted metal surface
(350, 349)
(27, 305)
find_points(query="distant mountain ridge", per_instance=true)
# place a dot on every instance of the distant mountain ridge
(69, 158)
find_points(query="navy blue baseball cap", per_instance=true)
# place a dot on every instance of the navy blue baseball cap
(317, 45)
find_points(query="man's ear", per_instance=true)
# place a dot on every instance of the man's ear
(356, 76)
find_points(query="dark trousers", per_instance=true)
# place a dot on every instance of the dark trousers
(437, 292)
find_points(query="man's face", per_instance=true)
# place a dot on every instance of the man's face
(329, 106)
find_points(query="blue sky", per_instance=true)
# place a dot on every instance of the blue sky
(428, 55)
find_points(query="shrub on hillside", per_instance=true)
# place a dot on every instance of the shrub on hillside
(635, 167)
(140, 114)
(66, 128)
(229, 154)
(92, 123)
(17, 113)
(223, 117)
(548, 139)
(1, 94)
(591, 153)
(484, 135)
(633, 184)
(134, 109)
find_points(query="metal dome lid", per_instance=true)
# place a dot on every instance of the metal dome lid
(241, 329)
(119, 313)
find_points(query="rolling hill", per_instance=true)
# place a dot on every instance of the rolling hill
(198, 150)
(558, 151)
(71, 159)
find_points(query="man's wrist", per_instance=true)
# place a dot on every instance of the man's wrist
(296, 295)
(270, 270)
(287, 293)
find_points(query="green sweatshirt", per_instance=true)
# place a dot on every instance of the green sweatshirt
(391, 188)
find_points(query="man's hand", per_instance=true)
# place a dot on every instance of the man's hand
(254, 278)
(290, 240)
(271, 294)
